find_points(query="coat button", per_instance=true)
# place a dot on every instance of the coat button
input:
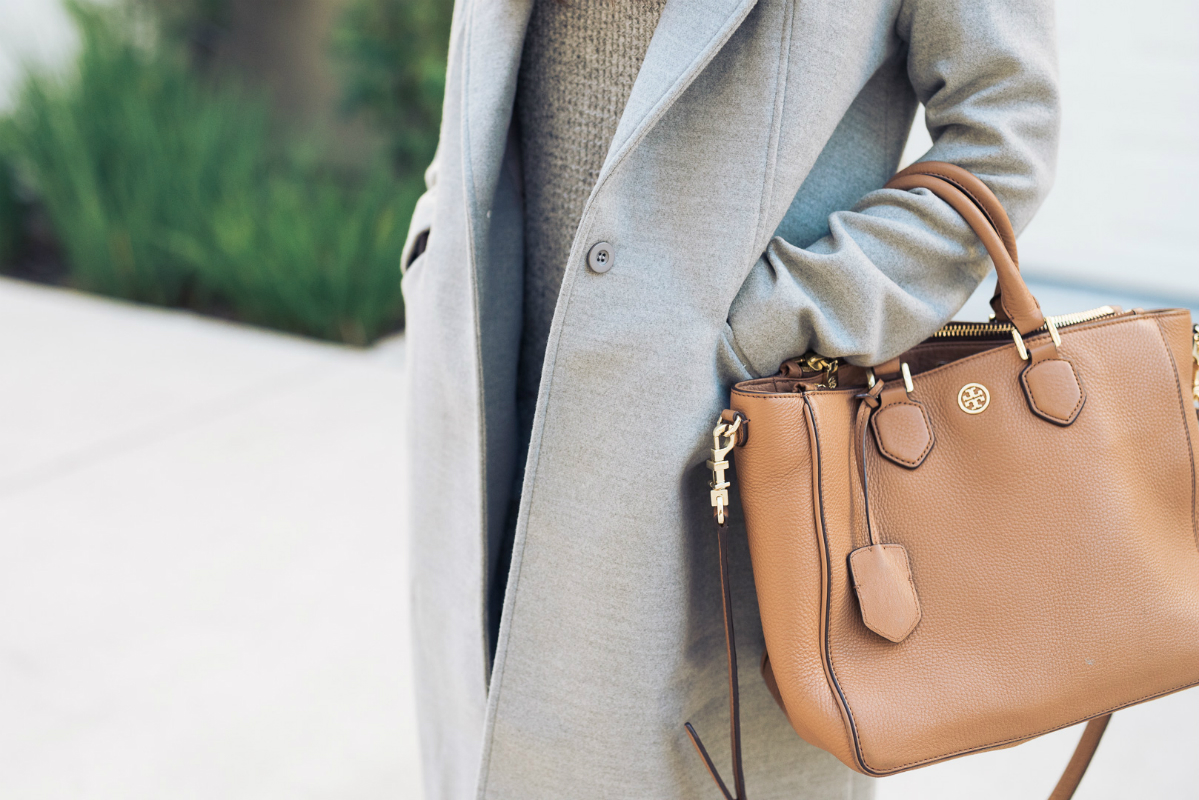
(600, 257)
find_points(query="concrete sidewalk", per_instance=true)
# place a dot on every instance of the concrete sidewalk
(201, 588)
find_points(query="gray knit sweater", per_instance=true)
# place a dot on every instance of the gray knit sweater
(576, 73)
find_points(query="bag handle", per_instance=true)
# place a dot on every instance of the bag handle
(982, 210)
(730, 431)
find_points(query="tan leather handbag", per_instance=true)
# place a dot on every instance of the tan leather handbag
(992, 537)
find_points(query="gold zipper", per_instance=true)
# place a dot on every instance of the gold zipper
(967, 330)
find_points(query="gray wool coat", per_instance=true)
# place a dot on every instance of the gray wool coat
(741, 197)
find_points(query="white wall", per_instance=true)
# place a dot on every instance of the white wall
(35, 32)
(1124, 213)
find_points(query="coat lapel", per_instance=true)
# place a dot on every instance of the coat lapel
(689, 34)
(495, 33)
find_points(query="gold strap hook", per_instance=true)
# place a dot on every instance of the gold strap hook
(724, 439)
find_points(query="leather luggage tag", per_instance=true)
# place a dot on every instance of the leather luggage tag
(1054, 392)
(886, 593)
(902, 428)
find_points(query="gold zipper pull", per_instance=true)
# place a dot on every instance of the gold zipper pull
(811, 362)
(829, 366)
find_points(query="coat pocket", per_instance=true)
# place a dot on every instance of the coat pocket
(412, 278)
(730, 361)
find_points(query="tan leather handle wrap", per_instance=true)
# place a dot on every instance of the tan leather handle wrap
(979, 193)
(982, 211)
(986, 201)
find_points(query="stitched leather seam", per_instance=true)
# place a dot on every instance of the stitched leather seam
(915, 594)
(1032, 396)
(878, 439)
(977, 204)
(826, 653)
(1026, 737)
(797, 396)
(982, 208)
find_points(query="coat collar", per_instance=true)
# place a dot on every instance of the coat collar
(689, 34)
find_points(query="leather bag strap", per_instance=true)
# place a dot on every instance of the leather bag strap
(1083, 753)
(978, 205)
(730, 643)
(1066, 785)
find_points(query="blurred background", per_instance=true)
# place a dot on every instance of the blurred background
(251, 159)
(202, 204)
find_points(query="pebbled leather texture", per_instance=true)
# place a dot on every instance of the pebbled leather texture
(1053, 390)
(882, 579)
(1058, 567)
(786, 534)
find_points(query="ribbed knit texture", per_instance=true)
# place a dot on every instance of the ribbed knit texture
(577, 70)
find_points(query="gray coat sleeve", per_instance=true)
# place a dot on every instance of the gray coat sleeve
(899, 264)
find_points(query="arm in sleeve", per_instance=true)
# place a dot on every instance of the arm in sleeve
(899, 264)
(422, 219)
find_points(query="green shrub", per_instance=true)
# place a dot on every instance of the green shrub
(11, 215)
(302, 252)
(165, 189)
(393, 55)
(127, 151)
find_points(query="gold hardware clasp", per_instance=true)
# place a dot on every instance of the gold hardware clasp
(904, 369)
(724, 439)
(1049, 325)
(1195, 356)
(1020, 348)
(1053, 334)
(812, 362)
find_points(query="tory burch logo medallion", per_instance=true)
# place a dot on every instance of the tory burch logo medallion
(974, 398)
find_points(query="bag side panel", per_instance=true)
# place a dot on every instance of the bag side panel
(774, 476)
(1176, 329)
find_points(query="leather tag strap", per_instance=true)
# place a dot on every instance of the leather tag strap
(1066, 785)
